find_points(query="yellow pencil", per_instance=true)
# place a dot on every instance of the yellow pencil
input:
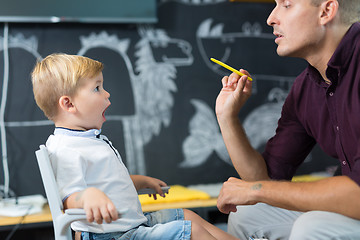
(229, 68)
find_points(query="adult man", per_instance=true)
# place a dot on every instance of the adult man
(323, 107)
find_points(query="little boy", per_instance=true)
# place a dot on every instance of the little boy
(89, 170)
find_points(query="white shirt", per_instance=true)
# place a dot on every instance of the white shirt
(82, 159)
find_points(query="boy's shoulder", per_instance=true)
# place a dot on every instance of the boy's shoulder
(56, 142)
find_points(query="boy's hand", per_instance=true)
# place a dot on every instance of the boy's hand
(141, 182)
(97, 205)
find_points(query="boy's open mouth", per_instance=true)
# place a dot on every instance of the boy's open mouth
(103, 114)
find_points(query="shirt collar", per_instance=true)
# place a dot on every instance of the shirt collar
(77, 133)
(340, 59)
(314, 74)
(342, 55)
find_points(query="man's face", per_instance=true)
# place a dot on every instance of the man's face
(297, 27)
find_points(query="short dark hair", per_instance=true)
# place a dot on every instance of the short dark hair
(349, 10)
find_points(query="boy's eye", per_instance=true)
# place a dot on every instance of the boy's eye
(97, 89)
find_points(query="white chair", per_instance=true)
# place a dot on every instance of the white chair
(61, 220)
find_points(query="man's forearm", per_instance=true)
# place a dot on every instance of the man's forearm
(249, 164)
(335, 194)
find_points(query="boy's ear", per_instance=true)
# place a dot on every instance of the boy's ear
(66, 104)
(329, 9)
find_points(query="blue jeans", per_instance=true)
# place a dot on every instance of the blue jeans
(167, 224)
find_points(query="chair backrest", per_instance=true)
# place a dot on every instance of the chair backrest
(51, 188)
(61, 220)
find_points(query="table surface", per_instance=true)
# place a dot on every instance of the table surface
(45, 215)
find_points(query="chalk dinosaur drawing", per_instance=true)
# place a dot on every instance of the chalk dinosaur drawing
(152, 87)
(157, 79)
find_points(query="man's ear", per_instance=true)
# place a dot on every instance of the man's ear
(329, 9)
(66, 104)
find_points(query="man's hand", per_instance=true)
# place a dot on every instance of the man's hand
(338, 194)
(236, 192)
(235, 92)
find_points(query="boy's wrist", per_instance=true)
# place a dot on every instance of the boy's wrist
(75, 200)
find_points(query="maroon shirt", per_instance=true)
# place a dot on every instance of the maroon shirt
(315, 112)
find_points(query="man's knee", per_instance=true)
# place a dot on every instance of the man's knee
(324, 225)
(237, 222)
(243, 222)
(305, 227)
(261, 220)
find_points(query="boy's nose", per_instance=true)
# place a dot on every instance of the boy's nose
(107, 94)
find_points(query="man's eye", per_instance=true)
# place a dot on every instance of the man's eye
(286, 4)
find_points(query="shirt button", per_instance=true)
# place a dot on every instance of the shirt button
(337, 128)
(331, 94)
(344, 162)
(97, 132)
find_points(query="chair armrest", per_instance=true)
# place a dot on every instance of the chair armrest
(75, 214)
(80, 212)
(75, 211)
(70, 215)
(152, 191)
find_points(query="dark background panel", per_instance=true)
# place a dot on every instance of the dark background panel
(179, 56)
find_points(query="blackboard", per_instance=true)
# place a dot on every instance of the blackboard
(163, 89)
(89, 11)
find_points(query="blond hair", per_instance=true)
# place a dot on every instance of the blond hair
(60, 75)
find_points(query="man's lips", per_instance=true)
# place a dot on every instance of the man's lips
(278, 36)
